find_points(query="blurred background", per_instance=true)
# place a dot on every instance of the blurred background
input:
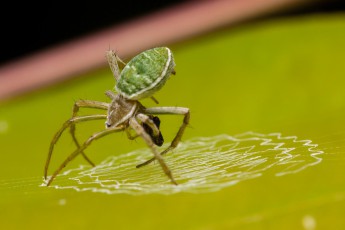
(264, 66)
(30, 28)
(37, 39)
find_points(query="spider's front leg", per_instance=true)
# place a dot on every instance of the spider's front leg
(58, 134)
(85, 104)
(140, 131)
(173, 111)
(82, 148)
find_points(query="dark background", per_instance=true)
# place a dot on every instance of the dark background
(28, 27)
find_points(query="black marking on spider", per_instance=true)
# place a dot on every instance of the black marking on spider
(158, 140)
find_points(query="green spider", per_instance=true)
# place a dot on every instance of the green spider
(144, 75)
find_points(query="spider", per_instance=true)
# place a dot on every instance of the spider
(144, 75)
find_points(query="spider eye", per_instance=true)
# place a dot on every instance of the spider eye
(107, 124)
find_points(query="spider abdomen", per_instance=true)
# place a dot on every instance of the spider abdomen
(146, 73)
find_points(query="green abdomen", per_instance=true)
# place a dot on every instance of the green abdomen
(146, 73)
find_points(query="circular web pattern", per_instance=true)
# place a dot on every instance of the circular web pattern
(201, 164)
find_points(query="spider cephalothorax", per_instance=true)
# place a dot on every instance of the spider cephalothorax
(144, 75)
(121, 109)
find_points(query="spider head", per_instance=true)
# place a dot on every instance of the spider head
(120, 111)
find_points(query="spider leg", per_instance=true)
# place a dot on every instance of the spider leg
(113, 59)
(67, 124)
(151, 128)
(146, 119)
(85, 104)
(154, 99)
(83, 147)
(140, 131)
(174, 111)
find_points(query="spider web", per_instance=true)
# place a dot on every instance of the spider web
(203, 164)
